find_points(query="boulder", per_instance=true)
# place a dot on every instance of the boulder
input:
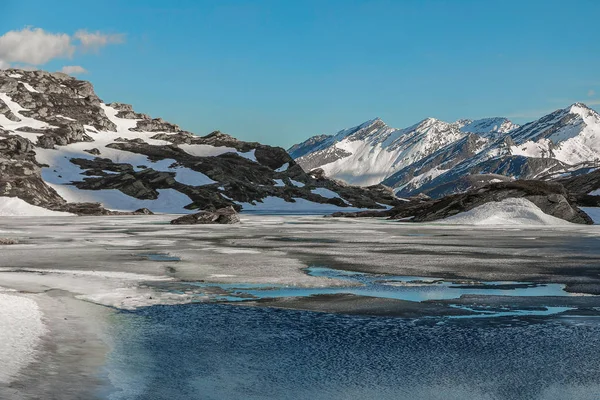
(226, 215)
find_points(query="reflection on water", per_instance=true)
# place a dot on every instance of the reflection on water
(409, 288)
(212, 351)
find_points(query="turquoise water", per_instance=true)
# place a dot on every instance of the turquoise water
(409, 288)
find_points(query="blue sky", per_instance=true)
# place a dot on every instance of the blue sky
(280, 71)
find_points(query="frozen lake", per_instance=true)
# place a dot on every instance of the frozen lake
(502, 313)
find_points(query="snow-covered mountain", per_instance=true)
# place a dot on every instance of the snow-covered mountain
(371, 152)
(564, 141)
(487, 127)
(62, 147)
(435, 157)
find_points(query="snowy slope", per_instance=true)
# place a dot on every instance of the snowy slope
(15, 207)
(570, 135)
(488, 127)
(371, 152)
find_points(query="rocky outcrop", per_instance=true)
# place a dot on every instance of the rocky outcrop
(225, 215)
(66, 134)
(551, 197)
(20, 174)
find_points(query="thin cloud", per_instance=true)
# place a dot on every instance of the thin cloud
(73, 70)
(591, 93)
(93, 41)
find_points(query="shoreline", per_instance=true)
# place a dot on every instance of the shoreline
(67, 361)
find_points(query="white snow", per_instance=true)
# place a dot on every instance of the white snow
(279, 182)
(123, 124)
(593, 212)
(188, 176)
(277, 205)
(296, 183)
(283, 168)
(169, 201)
(20, 330)
(29, 87)
(376, 153)
(16, 207)
(204, 150)
(595, 192)
(506, 212)
(63, 117)
(323, 192)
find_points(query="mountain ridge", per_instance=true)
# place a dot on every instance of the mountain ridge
(446, 151)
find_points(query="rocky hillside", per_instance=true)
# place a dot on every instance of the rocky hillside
(63, 148)
(438, 158)
(551, 198)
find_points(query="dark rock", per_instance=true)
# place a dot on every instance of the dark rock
(155, 125)
(317, 173)
(221, 216)
(551, 197)
(143, 211)
(66, 134)
(93, 151)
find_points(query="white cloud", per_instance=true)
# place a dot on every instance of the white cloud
(34, 46)
(73, 70)
(591, 93)
(95, 40)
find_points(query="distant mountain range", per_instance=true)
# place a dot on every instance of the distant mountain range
(439, 158)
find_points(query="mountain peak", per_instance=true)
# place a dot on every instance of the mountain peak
(580, 109)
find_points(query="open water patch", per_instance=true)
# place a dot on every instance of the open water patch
(408, 288)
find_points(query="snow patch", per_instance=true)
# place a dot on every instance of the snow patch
(20, 330)
(169, 201)
(29, 87)
(16, 207)
(190, 177)
(323, 192)
(205, 150)
(283, 168)
(277, 205)
(506, 212)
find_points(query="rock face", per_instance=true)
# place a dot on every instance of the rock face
(226, 215)
(63, 148)
(551, 197)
